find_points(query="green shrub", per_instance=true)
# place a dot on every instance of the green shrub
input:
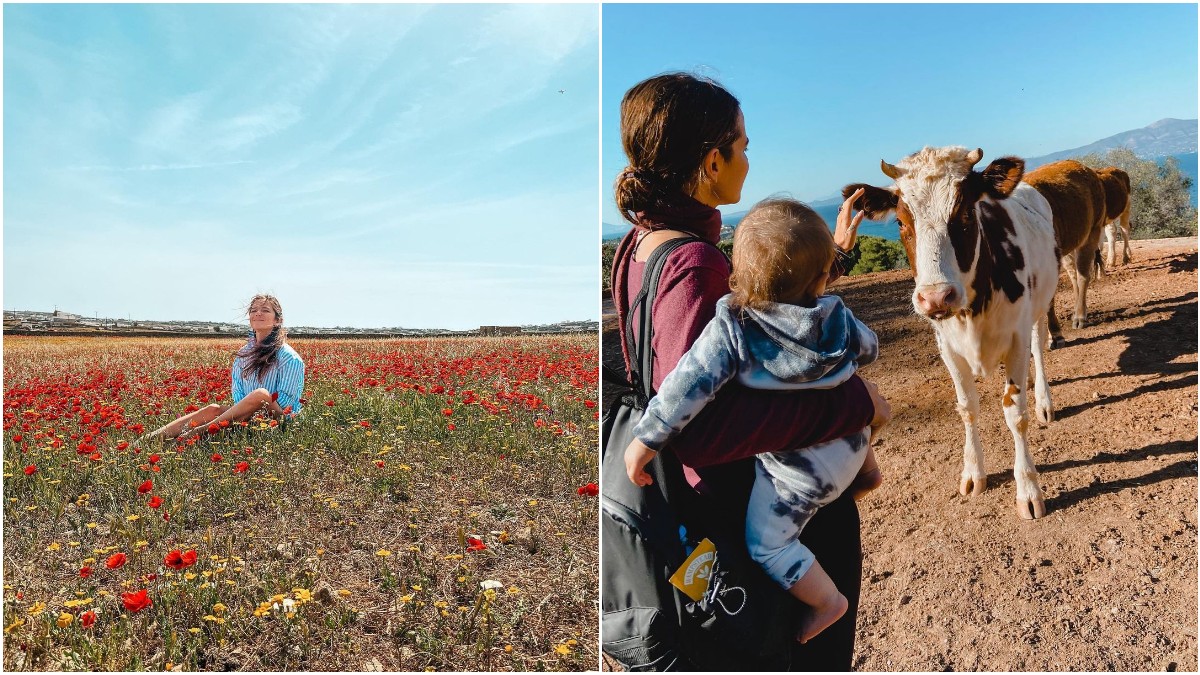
(1161, 201)
(876, 254)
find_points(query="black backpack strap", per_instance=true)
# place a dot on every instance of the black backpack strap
(641, 354)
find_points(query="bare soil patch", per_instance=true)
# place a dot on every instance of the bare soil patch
(1108, 579)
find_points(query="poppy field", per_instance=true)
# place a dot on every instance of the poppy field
(433, 507)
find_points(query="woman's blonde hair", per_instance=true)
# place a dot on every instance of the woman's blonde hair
(780, 249)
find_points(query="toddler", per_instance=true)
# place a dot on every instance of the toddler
(776, 330)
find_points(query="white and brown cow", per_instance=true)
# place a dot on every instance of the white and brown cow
(1076, 196)
(1116, 212)
(982, 250)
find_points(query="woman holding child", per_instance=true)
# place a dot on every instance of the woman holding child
(686, 143)
(267, 377)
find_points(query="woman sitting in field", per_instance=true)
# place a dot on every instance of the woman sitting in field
(268, 376)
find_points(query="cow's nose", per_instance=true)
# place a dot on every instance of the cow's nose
(937, 301)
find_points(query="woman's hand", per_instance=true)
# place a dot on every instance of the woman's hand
(883, 409)
(846, 231)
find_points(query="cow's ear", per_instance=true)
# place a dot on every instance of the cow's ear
(877, 203)
(1001, 177)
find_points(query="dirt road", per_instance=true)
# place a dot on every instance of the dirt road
(1107, 580)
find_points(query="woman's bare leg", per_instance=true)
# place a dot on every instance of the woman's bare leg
(201, 417)
(256, 401)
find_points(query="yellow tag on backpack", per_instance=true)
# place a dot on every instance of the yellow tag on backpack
(692, 577)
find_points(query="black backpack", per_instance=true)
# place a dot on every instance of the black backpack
(745, 621)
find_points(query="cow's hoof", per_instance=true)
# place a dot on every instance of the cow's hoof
(1045, 414)
(972, 486)
(1031, 509)
(1079, 322)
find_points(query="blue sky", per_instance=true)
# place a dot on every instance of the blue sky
(372, 165)
(829, 90)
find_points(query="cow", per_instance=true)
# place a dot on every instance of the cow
(982, 250)
(1116, 212)
(1076, 194)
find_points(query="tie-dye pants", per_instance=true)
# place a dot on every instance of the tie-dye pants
(788, 490)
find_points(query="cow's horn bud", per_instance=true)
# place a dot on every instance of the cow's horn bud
(889, 170)
(974, 156)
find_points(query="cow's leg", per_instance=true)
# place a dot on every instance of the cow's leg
(1016, 413)
(1125, 232)
(1058, 341)
(1041, 388)
(1110, 244)
(974, 478)
(1082, 277)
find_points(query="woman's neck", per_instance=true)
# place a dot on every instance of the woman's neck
(260, 335)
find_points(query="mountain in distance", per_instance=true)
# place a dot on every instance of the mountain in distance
(1165, 138)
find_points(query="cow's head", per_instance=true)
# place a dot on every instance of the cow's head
(937, 199)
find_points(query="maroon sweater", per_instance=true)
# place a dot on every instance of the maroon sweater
(739, 422)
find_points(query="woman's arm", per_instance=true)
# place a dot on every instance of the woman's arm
(290, 386)
(741, 422)
(238, 388)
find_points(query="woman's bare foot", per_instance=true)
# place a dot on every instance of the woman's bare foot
(864, 483)
(821, 617)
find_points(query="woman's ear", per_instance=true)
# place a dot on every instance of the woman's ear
(712, 164)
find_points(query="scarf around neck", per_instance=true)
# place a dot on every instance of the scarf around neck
(684, 214)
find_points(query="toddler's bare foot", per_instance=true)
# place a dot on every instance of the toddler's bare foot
(864, 483)
(821, 617)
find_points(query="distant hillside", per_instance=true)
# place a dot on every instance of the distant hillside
(1164, 138)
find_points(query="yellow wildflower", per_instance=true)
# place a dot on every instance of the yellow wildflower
(193, 631)
(383, 553)
(14, 625)
(132, 517)
(37, 608)
(54, 546)
(344, 593)
(563, 650)
(219, 608)
(65, 619)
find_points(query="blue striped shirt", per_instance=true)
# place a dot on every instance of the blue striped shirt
(285, 378)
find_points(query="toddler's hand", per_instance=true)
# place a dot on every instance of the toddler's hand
(637, 456)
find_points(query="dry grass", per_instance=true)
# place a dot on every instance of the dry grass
(316, 557)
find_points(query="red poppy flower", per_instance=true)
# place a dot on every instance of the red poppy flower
(216, 457)
(450, 427)
(96, 457)
(447, 411)
(122, 445)
(379, 463)
(329, 403)
(16, 438)
(85, 572)
(241, 467)
(154, 502)
(145, 487)
(178, 560)
(136, 602)
(30, 470)
(273, 423)
(366, 424)
(88, 618)
(115, 560)
(589, 490)
(213, 428)
(474, 544)
(274, 396)
(154, 459)
(224, 423)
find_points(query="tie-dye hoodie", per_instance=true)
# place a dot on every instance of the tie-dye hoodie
(782, 347)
